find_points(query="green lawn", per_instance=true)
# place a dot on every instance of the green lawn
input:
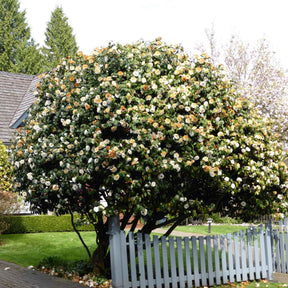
(30, 249)
(215, 229)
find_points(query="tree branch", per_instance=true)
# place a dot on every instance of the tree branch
(134, 223)
(176, 223)
(79, 235)
(125, 220)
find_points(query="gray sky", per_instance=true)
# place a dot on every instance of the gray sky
(96, 22)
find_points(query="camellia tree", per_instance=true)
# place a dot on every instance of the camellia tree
(151, 133)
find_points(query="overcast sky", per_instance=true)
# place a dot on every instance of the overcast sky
(96, 22)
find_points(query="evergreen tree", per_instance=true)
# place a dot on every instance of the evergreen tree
(18, 52)
(59, 42)
(146, 130)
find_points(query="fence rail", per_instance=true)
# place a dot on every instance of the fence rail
(142, 261)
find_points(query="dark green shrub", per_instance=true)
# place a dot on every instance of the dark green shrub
(217, 218)
(81, 267)
(42, 223)
(60, 266)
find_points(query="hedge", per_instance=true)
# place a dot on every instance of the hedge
(41, 223)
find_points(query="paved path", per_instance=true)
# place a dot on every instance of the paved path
(177, 233)
(15, 276)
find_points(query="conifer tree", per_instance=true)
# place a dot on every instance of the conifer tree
(18, 51)
(60, 41)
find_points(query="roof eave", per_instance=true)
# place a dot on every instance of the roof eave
(19, 121)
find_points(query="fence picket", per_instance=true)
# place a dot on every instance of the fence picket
(282, 254)
(269, 249)
(286, 248)
(262, 252)
(141, 263)
(195, 262)
(209, 261)
(149, 264)
(277, 251)
(218, 272)
(157, 262)
(180, 262)
(256, 253)
(250, 254)
(124, 262)
(243, 256)
(133, 269)
(165, 262)
(188, 261)
(202, 261)
(172, 262)
(223, 259)
(230, 258)
(237, 256)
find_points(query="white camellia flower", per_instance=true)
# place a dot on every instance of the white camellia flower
(161, 176)
(144, 212)
(30, 176)
(133, 79)
(75, 187)
(280, 196)
(136, 73)
(55, 187)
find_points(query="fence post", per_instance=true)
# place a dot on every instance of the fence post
(115, 251)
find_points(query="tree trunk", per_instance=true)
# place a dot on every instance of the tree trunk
(101, 259)
(101, 256)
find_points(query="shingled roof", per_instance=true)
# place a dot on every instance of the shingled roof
(16, 96)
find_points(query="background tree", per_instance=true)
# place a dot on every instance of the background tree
(18, 52)
(60, 41)
(8, 199)
(150, 132)
(257, 74)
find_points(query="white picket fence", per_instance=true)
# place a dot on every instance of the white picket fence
(194, 261)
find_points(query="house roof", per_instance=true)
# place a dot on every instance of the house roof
(16, 96)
